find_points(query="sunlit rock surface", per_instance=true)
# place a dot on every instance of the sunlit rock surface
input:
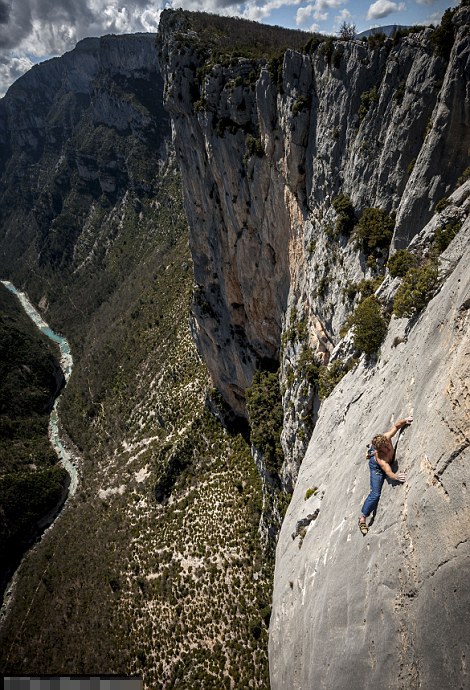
(390, 608)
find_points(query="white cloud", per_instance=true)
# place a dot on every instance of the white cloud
(45, 28)
(116, 18)
(150, 20)
(382, 8)
(434, 18)
(330, 4)
(223, 7)
(11, 69)
(42, 29)
(303, 15)
(46, 39)
(344, 16)
(317, 10)
(426, 2)
(257, 12)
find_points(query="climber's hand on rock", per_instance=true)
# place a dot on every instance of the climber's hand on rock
(400, 477)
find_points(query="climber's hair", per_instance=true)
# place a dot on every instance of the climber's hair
(379, 441)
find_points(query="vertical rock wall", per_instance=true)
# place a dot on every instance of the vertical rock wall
(391, 608)
(263, 154)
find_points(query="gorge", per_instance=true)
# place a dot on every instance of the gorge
(326, 285)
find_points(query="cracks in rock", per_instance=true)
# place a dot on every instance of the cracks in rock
(453, 456)
(302, 526)
(434, 479)
(352, 403)
(447, 560)
(409, 581)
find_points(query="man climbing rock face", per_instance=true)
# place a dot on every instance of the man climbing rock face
(381, 454)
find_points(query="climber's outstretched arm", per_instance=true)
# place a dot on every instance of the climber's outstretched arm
(398, 425)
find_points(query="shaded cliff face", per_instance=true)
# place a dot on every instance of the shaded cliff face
(77, 133)
(265, 148)
(390, 608)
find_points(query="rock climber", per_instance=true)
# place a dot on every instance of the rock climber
(381, 455)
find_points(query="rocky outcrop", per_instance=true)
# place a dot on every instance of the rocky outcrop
(264, 149)
(390, 608)
(76, 132)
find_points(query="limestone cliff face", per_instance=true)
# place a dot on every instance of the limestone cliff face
(78, 132)
(265, 150)
(391, 608)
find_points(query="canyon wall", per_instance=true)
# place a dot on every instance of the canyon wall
(282, 157)
(390, 608)
(77, 135)
(265, 148)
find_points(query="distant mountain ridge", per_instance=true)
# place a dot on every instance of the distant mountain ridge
(387, 30)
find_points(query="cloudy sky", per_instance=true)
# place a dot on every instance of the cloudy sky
(35, 30)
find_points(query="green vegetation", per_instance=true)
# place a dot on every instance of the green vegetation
(411, 166)
(400, 263)
(327, 48)
(254, 147)
(444, 236)
(376, 40)
(418, 287)
(464, 177)
(441, 205)
(336, 58)
(364, 287)
(375, 229)
(30, 486)
(406, 31)
(312, 44)
(400, 92)
(332, 374)
(26, 498)
(296, 331)
(308, 366)
(144, 584)
(428, 128)
(346, 216)
(442, 38)
(301, 103)
(368, 99)
(420, 281)
(370, 327)
(265, 415)
(242, 37)
(347, 31)
(311, 492)
(275, 70)
(311, 247)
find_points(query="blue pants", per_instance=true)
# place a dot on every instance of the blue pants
(377, 477)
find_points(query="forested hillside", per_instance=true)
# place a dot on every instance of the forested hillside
(158, 553)
(31, 483)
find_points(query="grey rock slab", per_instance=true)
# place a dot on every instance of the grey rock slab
(391, 608)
